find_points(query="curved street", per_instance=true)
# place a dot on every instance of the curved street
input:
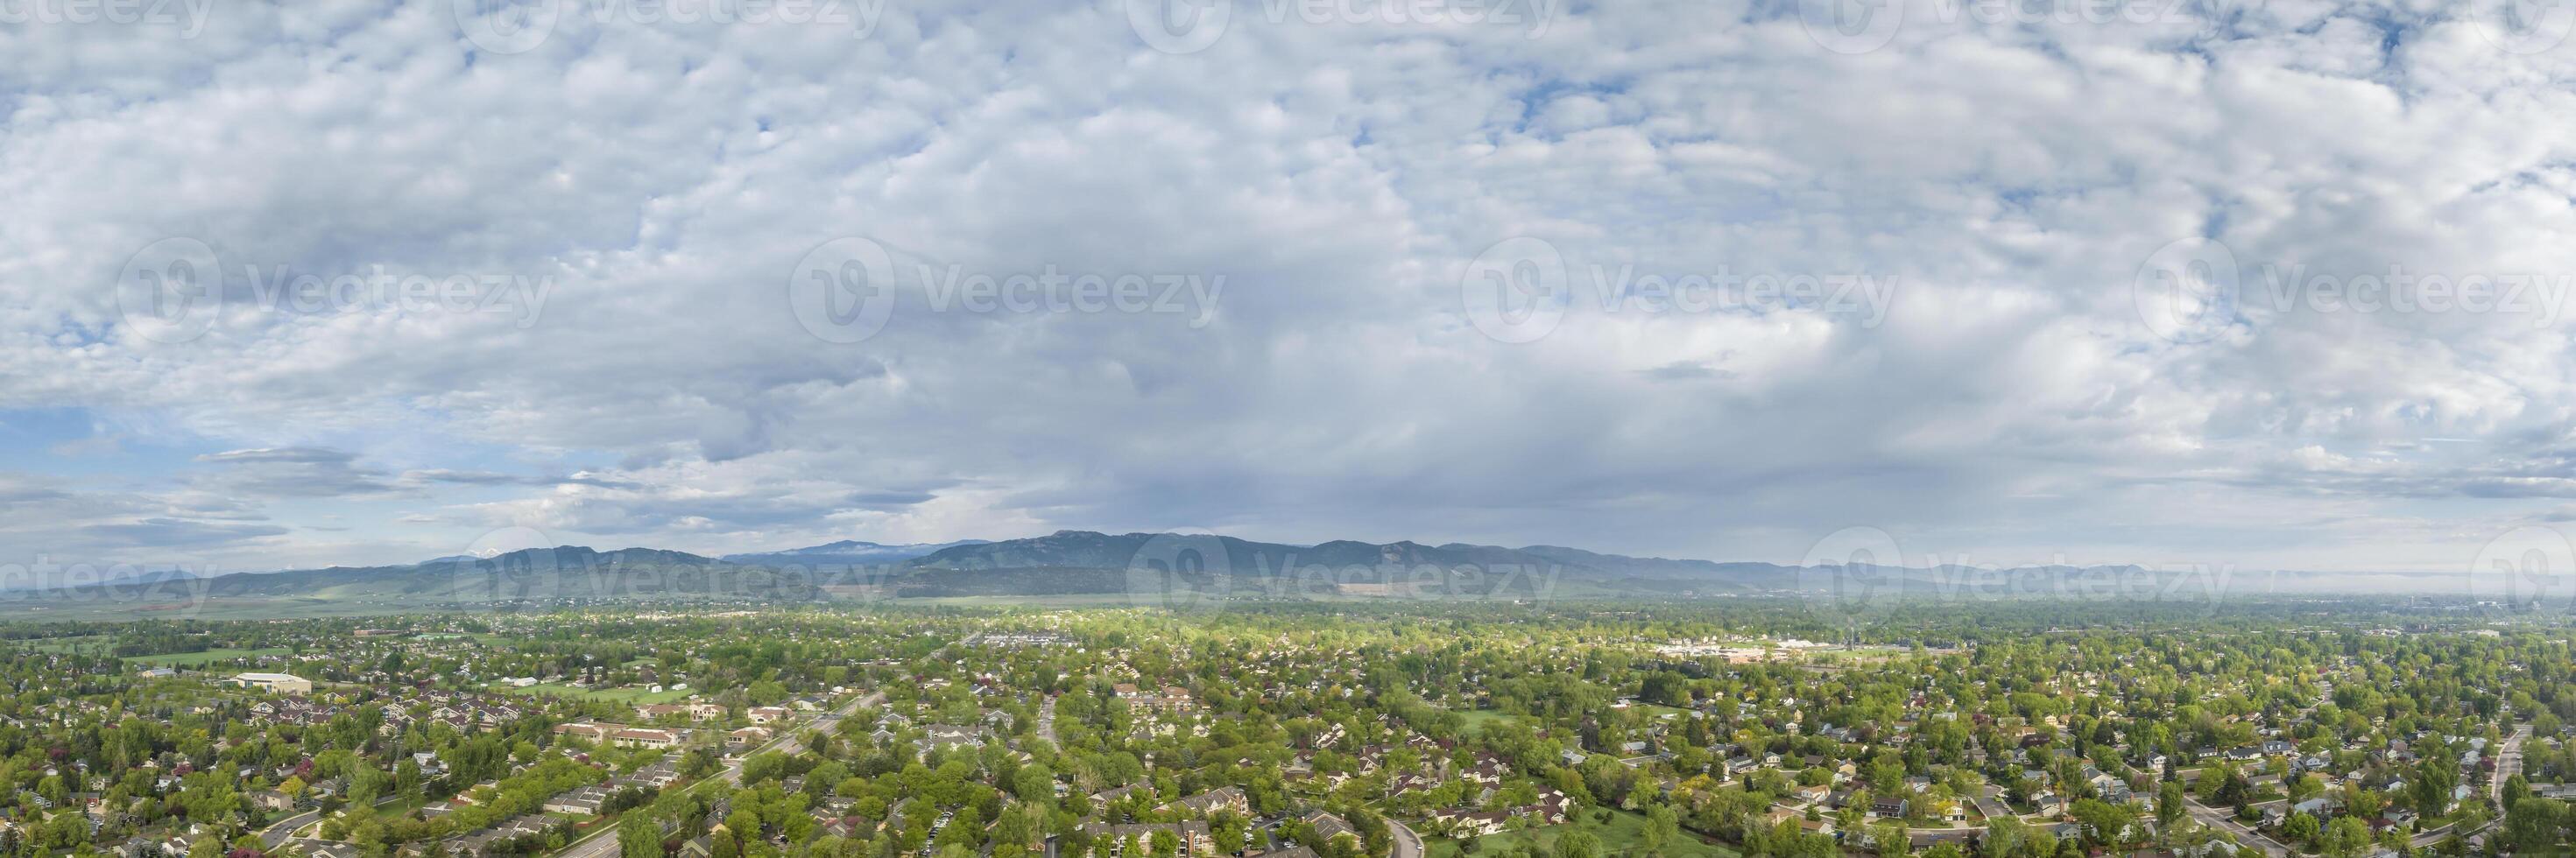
(1407, 843)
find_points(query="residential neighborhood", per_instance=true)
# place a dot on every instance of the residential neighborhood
(1611, 730)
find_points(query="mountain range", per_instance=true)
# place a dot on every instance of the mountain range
(848, 551)
(1064, 562)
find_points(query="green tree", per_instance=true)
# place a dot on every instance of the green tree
(638, 836)
(1228, 830)
(1889, 838)
(2301, 828)
(2344, 838)
(1577, 844)
(2005, 836)
(2533, 824)
(1662, 825)
(2433, 784)
(2170, 808)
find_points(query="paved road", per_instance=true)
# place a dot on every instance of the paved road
(284, 829)
(2508, 764)
(278, 831)
(600, 844)
(603, 843)
(792, 741)
(2224, 820)
(1407, 843)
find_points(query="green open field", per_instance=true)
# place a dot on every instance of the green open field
(1478, 718)
(1869, 654)
(199, 659)
(1618, 838)
(65, 645)
(1658, 710)
(398, 808)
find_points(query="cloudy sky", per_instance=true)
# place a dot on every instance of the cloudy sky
(2273, 284)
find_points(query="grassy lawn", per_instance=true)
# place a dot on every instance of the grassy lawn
(1478, 718)
(64, 646)
(1622, 836)
(1854, 655)
(1658, 710)
(630, 696)
(399, 808)
(199, 659)
(2430, 823)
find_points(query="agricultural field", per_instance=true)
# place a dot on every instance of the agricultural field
(201, 659)
(66, 645)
